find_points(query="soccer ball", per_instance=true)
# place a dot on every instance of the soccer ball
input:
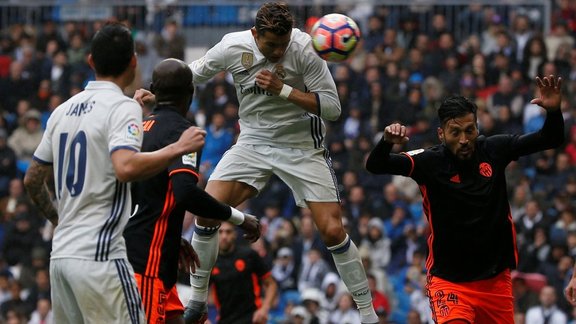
(334, 37)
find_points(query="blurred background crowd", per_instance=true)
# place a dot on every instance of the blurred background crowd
(401, 71)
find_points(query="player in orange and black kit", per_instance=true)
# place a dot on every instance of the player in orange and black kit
(241, 281)
(472, 245)
(153, 234)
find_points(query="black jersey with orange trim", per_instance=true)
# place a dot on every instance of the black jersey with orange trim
(466, 202)
(153, 232)
(236, 283)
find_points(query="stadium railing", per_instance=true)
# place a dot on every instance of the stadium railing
(206, 21)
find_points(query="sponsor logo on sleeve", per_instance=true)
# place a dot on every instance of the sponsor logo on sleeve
(133, 131)
(190, 159)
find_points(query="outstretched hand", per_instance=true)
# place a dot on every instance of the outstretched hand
(550, 92)
(396, 134)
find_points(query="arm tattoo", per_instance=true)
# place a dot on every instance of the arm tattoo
(35, 181)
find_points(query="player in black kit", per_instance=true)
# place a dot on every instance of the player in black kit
(153, 234)
(244, 289)
(472, 245)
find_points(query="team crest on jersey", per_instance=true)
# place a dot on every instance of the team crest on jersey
(133, 131)
(485, 169)
(190, 159)
(414, 152)
(280, 72)
(247, 60)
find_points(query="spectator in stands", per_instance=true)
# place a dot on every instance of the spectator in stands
(570, 148)
(15, 302)
(43, 312)
(26, 138)
(506, 96)
(16, 194)
(377, 243)
(219, 139)
(284, 270)
(313, 270)
(312, 301)
(521, 32)
(345, 313)
(60, 73)
(532, 218)
(380, 301)
(77, 49)
(7, 164)
(332, 287)
(373, 35)
(559, 35)
(533, 253)
(170, 43)
(524, 296)
(40, 290)
(307, 239)
(17, 86)
(49, 32)
(547, 311)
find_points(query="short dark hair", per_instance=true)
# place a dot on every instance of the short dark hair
(454, 107)
(171, 79)
(274, 17)
(112, 49)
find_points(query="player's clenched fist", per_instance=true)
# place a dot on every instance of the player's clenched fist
(251, 227)
(396, 133)
(192, 139)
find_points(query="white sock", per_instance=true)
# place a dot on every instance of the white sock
(351, 270)
(205, 243)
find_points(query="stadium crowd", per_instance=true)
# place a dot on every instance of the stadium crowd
(397, 74)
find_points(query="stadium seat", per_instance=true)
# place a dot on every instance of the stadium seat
(225, 15)
(197, 16)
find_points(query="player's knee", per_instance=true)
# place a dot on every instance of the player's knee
(333, 234)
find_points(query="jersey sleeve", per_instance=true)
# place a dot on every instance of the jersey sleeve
(318, 80)
(125, 127)
(188, 163)
(43, 153)
(213, 62)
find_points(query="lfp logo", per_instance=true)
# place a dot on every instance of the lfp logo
(133, 129)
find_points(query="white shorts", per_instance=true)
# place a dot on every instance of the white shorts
(85, 291)
(307, 172)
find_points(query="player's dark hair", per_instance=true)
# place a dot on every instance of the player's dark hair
(112, 49)
(172, 82)
(454, 107)
(274, 17)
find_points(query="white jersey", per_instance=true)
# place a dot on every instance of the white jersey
(265, 118)
(93, 206)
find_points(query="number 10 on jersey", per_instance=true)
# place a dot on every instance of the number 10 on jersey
(75, 150)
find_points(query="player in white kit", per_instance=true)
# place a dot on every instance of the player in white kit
(90, 151)
(285, 91)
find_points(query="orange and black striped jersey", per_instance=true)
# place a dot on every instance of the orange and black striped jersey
(466, 202)
(154, 230)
